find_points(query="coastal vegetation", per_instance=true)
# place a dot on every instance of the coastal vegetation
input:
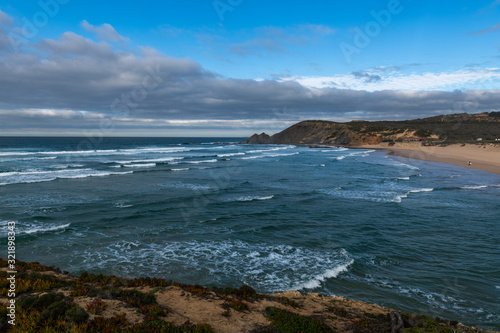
(48, 300)
(445, 129)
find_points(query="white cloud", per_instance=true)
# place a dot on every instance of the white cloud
(5, 19)
(71, 83)
(104, 32)
(5, 22)
(73, 44)
(402, 81)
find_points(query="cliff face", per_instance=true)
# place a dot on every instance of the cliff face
(262, 138)
(449, 128)
(307, 132)
(315, 132)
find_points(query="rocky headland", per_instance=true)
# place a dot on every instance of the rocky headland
(445, 129)
(468, 140)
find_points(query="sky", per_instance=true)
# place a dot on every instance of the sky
(236, 67)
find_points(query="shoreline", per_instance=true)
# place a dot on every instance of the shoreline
(482, 157)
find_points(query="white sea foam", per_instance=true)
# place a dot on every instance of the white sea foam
(399, 198)
(362, 153)
(66, 166)
(230, 155)
(143, 165)
(422, 190)
(122, 204)
(7, 159)
(473, 187)
(375, 196)
(16, 153)
(39, 172)
(44, 229)
(404, 165)
(151, 160)
(180, 169)
(204, 161)
(205, 221)
(79, 152)
(436, 299)
(257, 151)
(266, 267)
(194, 187)
(403, 178)
(270, 149)
(102, 151)
(8, 178)
(30, 228)
(433, 299)
(268, 155)
(282, 148)
(252, 198)
(155, 150)
(330, 273)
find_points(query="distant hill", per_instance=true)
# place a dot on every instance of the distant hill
(462, 127)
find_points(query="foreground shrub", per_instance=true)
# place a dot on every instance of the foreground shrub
(77, 315)
(287, 322)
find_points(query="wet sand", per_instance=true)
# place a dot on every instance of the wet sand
(485, 157)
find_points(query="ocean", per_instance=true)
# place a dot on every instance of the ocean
(418, 236)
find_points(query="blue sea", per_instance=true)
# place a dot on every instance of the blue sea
(418, 236)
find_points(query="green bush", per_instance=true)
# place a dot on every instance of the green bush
(54, 311)
(423, 132)
(287, 322)
(40, 302)
(77, 315)
(426, 324)
(246, 292)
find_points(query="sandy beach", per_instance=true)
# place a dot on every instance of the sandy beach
(482, 157)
